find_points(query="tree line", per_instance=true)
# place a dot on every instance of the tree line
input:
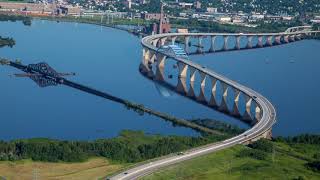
(26, 20)
(129, 146)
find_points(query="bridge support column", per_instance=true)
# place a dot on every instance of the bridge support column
(235, 111)
(269, 40)
(249, 44)
(292, 38)
(163, 41)
(225, 44)
(192, 79)
(238, 42)
(213, 101)
(298, 37)
(201, 96)
(152, 59)
(267, 135)
(144, 68)
(173, 39)
(278, 40)
(160, 67)
(182, 87)
(213, 39)
(155, 42)
(199, 49)
(186, 44)
(260, 41)
(258, 114)
(223, 106)
(286, 38)
(247, 113)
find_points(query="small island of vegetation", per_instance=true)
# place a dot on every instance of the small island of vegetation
(7, 42)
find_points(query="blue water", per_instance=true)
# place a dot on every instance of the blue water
(103, 58)
(108, 60)
(287, 75)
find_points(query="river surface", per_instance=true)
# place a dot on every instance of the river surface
(108, 60)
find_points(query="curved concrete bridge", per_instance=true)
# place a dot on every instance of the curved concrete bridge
(264, 114)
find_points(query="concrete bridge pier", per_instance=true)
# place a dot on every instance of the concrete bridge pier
(213, 101)
(225, 44)
(292, 38)
(192, 79)
(201, 97)
(223, 106)
(238, 38)
(258, 113)
(186, 44)
(163, 41)
(235, 111)
(173, 40)
(298, 37)
(249, 44)
(155, 42)
(286, 38)
(152, 59)
(247, 113)
(160, 67)
(267, 134)
(212, 49)
(260, 41)
(182, 86)
(199, 48)
(144, 67)
(277, 40)
(269, 40)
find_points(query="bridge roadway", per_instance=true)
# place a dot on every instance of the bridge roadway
(260, 129)
(264, 125)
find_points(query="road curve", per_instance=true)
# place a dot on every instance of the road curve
(262, 127)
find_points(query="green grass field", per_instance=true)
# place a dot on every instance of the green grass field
(287, 162)
(94, 168)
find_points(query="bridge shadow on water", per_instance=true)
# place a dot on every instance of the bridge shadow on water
(173, 88)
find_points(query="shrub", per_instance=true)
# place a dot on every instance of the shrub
(263, 145)
(253, 153)
(314, 165)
